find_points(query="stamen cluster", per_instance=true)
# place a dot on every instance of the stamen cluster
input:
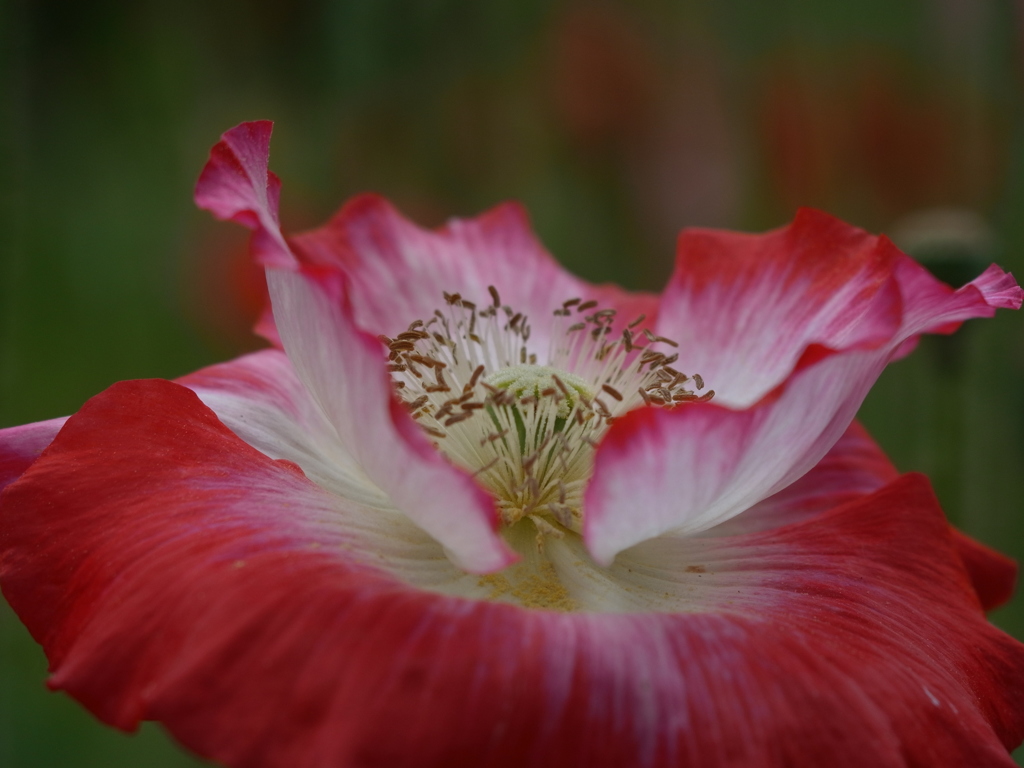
(527, 431)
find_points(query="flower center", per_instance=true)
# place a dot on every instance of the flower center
(526, 430)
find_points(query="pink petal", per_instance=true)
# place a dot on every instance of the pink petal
(258, 396)
(343, 368)
(854, 467)
(934, 307)
(20, 446)
(145, 486)
(872, 601)
(400, 272)
(713, 462)
(746, 308)
(263, 401)
(236, 185)
(183, 594)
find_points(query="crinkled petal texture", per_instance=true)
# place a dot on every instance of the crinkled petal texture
(854, 467)
(791, 329)
(262, 400)
(343, 368)
(218, 592)
(236, 184)
(399, 272)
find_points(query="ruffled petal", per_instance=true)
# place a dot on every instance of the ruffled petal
(749, 310)
(400, 272)
(854, 467)
(347, 380)
(237, 185)
(879, 583)
(714, 462)
(261, 399)
(20, 446)
(343, 369)
(186, 594)
(993, 574)
(145, 486)
(746, 309)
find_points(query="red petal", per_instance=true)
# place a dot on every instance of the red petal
(399, 271)
(854, 467)
(148, 552)
(344, 371)
(20, 446)
(993, 575)
(236, 184)
(808, 335)
(261, 399)
(751, 309)
(747, 308)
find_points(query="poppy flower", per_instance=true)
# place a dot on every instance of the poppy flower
(468, 509)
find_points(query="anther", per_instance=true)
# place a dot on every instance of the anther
(612, 391)
(456, 418)
(429, 362)
(489, 465)
(637, 322)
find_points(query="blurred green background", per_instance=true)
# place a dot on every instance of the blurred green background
(616, 123)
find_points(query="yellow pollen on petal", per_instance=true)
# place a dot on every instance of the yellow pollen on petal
(540, 589)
